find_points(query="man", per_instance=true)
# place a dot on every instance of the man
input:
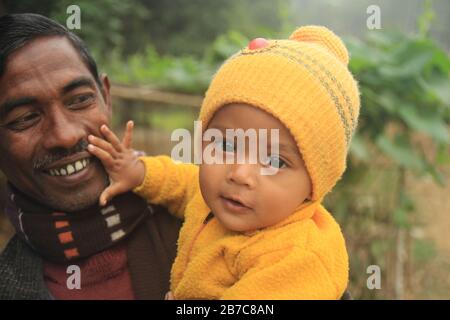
(66, 246)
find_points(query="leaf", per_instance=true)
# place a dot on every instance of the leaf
(426, 121)
(382, 39)
(361, 56)
(408, 59)
(439, 87)
(441, 60)
(401, 152)
(388, 101)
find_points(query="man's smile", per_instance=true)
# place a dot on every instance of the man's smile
(72, 170)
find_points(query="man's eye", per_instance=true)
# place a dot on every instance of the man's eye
(82, 100)
(275, 162)
(24, 122)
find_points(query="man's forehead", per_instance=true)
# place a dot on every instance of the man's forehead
(44, 59)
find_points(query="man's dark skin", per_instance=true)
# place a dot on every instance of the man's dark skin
(54, 103)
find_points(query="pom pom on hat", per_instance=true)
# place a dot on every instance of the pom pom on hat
(324, 37)
(258, 43)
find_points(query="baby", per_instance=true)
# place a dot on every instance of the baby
(249, 235)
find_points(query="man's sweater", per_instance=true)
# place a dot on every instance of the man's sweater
(25, 275)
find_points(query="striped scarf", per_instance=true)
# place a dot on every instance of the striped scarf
(61, 236)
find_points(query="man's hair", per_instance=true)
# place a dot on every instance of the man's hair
(16, 30)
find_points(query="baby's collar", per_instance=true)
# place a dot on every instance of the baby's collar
(304, 211)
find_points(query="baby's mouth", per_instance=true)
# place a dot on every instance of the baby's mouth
(235, 201)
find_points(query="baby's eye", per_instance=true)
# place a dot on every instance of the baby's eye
(225, 145)
(275, 162)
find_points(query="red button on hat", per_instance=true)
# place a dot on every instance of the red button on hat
(258, 43)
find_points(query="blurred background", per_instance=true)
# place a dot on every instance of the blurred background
(393, 203)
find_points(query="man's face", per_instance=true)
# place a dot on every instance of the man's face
(49, 104)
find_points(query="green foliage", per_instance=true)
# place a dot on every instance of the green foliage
(425, 20)
(188, 27)
(170, 120)
(405, 93)
(106, 24)
(405, 88)
(182, 74)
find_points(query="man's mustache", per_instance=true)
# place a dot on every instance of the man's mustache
(58, 154)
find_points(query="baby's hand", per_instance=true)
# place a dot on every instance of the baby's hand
(169, 296)
(120, 161)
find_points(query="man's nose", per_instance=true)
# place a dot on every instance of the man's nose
(61, 130)
(243, 174)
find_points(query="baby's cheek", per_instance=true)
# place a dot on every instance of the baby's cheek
(266, 199)
(208, 183)
(278, 204)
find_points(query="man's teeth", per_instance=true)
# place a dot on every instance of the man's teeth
(71, 168)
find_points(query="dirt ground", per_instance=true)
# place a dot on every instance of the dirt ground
(430, 279)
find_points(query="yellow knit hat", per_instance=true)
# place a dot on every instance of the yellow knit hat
(305, 83)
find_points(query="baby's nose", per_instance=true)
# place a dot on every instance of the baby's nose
(243, 174)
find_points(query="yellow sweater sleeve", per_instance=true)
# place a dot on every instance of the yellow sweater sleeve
(169, 184)
(288, 274)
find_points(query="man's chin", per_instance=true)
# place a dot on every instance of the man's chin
(80, 196)
(76, 202)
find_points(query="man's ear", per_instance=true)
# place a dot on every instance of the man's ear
(105, 90)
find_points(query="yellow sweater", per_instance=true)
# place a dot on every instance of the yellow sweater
(301, 257)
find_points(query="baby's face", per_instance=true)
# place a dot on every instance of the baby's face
(239, 195)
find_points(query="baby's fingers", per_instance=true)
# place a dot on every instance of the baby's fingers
(109, 193)
(112, 138)
(105, 157)
(128, 138)
(102, 144)
(169, 296)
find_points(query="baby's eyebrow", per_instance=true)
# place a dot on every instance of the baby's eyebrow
(221, 128)
(286, 148)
